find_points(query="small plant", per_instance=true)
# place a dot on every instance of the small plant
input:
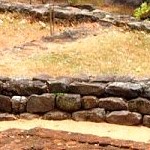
(72, 1)
(59, 94)
(143, 12)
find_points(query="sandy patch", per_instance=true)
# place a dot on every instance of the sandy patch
(139, 134)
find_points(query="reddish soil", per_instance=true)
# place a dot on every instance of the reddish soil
(45, 139)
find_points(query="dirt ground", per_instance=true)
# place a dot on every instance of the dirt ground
(99, 129)
(24, 53)
(46, 139)
(98, 50)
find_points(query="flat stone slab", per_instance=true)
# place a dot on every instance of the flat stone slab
(127, 89)
(83, 88)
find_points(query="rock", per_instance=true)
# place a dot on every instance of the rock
(146, 90)
(81, 78)
(95, 89)
(127, 89)
(19, 104)
(146, 25)
(28, 116)
(7, 117)
(5, 103)
(4, 79)
(1, 86)
(89, 102)
(135, 25)
(103, 79)
(68, 102)
(124, 118)
(111, 78)
(56, 115)
(23, 87)
(131, 3)
(43, 77)
(113, 103)
(57, 86)
(94, 115)
(123, 79)
(41, 103)
(146, 120)
(140, 105)
(65, 79)
(85, 6)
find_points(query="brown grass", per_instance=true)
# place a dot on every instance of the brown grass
(112, 51)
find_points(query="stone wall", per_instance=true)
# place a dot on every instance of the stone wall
(132, 3)
(76, 13)
(119, 100)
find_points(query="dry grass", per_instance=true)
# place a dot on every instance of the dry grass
(112, 51)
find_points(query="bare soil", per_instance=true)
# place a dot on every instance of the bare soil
(45, 139)
(26, 49)
(24, 52)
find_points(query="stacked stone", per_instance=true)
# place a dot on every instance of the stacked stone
(81, 13)
(118, 100)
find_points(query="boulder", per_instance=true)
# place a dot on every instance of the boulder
(89, 102)
(23, 87)
(5, 103)
(94, 115)
(113, 103)
(146, 120)
(19, 104)
(68, 102)
(124, 89)
(140, 105)
(56, 115)
(95, 89)
(7, 117)
(124, 118)
(28, 116)
(40, 103)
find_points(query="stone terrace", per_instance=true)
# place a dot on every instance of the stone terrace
(77, 13)
(119, 100)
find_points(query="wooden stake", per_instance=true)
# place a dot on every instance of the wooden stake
(51, 18)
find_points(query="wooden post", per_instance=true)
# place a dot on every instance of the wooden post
(51, 17)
